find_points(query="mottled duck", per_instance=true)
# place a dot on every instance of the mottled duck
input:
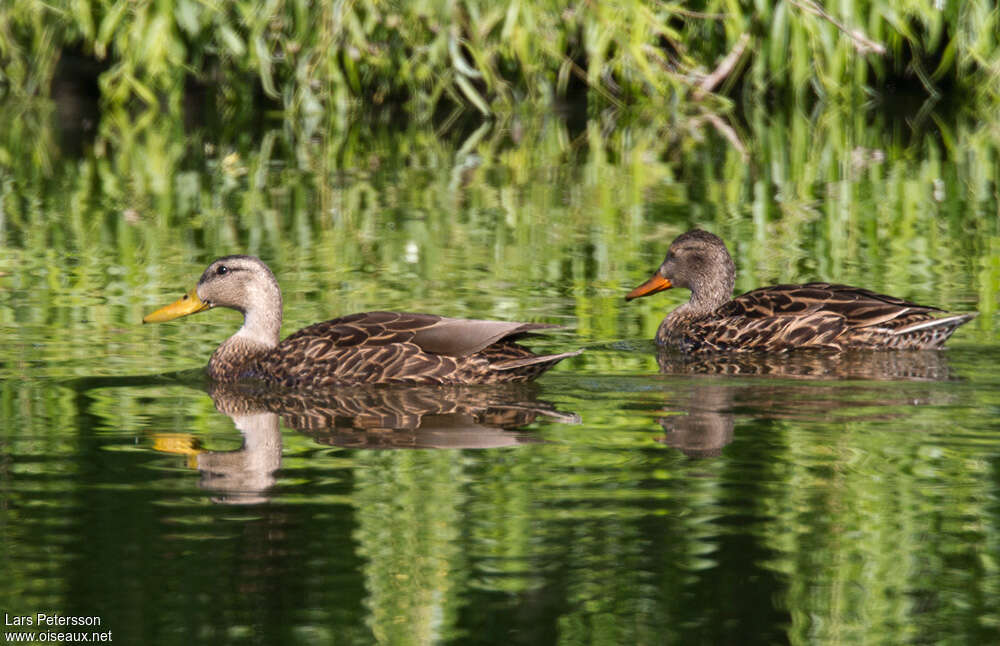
(782, 317)
(366, 348)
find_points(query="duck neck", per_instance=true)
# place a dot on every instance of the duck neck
(673, 330)
(259, 334)
(261, 326)
(707, 299)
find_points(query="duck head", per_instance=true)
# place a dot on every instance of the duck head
(699, 261)
(242, 283)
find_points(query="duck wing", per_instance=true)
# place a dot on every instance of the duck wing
(821, 315)
(403, 347)
(429, 332)
(857, 307)
(766, 333)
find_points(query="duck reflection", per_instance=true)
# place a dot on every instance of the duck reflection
(702, 425)
(387, 417)
(245, 475)
(701, 421)
(429, 417)
(878, 365)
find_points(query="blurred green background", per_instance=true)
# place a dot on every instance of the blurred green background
(524, 161)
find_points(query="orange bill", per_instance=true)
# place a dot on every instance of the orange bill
(655, 284)
(187, 304)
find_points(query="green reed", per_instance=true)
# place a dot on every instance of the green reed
(324, 61)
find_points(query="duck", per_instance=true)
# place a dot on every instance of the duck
(779, 318)
(363, 348)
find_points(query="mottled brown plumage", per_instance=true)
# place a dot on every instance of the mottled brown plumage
(782, 317)
(367, 348)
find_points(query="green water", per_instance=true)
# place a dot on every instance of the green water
(624, 498)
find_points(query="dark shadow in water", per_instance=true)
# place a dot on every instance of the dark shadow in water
(374, 417)
(704, 421)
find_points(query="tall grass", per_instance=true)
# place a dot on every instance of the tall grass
(329, 60)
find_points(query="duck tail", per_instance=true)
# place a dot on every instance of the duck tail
(934, 332)
(545, 361)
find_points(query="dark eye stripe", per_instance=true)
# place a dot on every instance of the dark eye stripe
(221, 270)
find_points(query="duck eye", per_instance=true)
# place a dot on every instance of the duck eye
(222, 270)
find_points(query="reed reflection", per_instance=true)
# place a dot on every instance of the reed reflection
(701, 420)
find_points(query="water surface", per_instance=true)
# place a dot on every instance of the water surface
(625, 498)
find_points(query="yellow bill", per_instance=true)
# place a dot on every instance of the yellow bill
(187, 304)
(180, 444)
